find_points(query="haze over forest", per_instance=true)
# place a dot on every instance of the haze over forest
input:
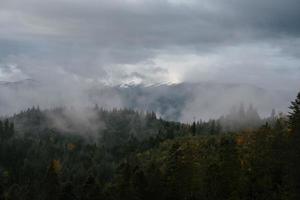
(64, 52)
(149, 100)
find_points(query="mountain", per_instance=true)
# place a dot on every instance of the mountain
(183, 101)
(186, 101)
(22, 84)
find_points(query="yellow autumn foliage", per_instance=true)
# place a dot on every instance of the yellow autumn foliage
(240, 140)
(71, 146)
(56, 166)
(242, 163)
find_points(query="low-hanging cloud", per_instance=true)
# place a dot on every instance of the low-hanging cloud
(69, 47)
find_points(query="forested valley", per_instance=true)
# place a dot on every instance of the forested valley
(123, 154)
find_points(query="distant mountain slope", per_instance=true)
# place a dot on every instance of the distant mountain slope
(184, 101)
(22, 84)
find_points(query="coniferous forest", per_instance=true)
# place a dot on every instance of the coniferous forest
(124, 154)
(149, 100)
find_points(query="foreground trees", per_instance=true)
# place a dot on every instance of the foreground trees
(137, 156)
(6, 130)
(294, 125)
(238, 166)
(294, 117)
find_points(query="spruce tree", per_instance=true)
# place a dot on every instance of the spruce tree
(1, 131)
(193, 128)
(294, 123)
(294, 116)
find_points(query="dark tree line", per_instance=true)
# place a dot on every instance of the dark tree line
(6, 130)
(124, 154)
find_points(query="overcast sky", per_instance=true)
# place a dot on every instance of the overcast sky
(149, 41)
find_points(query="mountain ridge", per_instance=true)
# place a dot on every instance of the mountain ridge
(172, 101)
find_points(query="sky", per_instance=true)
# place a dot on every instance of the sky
(151, 41)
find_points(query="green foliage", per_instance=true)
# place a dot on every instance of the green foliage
(294, 125)
(237, 166)
(7, 130)
(294, 117)
(124, 154)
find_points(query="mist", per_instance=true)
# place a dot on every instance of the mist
(149, 99)
(116, 54)
(183, 102)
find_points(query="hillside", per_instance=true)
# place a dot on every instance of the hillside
(65, 153)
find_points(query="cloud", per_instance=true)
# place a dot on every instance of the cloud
(11, 73)
(78, 44)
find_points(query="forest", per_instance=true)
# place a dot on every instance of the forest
(124, 154)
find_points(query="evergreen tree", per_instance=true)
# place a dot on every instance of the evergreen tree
(294, 123)
(157, 159)
(51, 182)
(1, 131)
(6, 129)
(212, 129)
(193, 128)
(11, 130)
(273, 114)
(294, 116)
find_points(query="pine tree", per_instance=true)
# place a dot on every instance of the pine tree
(51, 181)
(294, 123)
(11, 130)
(294, 115)
(6, 129)
(212, 129)
(193, 128)
(1, 131)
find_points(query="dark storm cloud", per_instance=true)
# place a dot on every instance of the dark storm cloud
(275, 17)
(67, 49)
(152, 24)
(88, 38)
